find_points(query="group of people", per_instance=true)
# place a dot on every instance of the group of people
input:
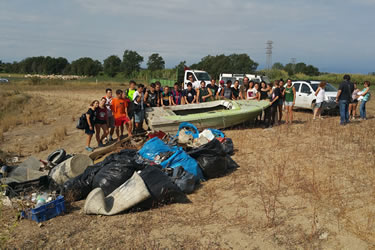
(127, 109)
(348, 97)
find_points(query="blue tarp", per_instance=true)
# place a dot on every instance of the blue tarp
(155, 146)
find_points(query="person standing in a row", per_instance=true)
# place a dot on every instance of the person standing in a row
(320, 94)
(364, 97)
(289, 93)
(343, 98)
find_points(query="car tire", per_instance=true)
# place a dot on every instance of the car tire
(57, 157)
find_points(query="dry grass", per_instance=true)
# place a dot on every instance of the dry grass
(41, 146)
(59, 134)
(309, 185)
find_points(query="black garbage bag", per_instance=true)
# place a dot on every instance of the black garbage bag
(231, 164)
(212, 159)
(109, 174)
(79, 187)
(228, 146)
(184, 180)
(161, 187)
(116, 169)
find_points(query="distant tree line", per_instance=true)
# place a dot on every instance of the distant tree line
(293, 69)
(130, 64)
(234, 63)
(112, 65)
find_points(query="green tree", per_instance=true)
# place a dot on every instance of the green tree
(290, 68)
(312, 71)
(180, 68)
(278, 65)
(234, 63)
(112, 65)
(86, 66)
(131, 62)
(300, 68)
(155, 62)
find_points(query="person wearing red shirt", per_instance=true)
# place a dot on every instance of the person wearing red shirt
(120, 112)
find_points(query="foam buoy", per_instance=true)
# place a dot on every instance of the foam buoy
(70, 168)
(129, 194)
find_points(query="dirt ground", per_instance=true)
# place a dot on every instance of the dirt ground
(306, 185)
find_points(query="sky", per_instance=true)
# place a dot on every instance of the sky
(335, 35)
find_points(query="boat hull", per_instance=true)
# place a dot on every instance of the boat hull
(167, 119)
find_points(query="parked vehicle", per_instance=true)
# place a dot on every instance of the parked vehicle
(198, 76)
(4, 80)
(305, 95)
(233, 77)
(183, 77)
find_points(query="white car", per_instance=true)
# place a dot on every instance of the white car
(4, 80)
(305, 95)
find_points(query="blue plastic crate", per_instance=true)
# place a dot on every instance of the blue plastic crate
(46, 211)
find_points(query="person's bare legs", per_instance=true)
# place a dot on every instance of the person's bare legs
(315, 113)
(129, 128)
(105, 132)
(122, 130)
(97, 133)
(88, 140)
(290, 108)
(280, 107)
(350, 111)
(287, 115)
(354, 110)
(118, 132)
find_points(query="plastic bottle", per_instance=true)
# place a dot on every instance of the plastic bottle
(41, 200)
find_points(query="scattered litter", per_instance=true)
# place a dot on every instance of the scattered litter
(6, 201)
(207, 134)
(46, 211)
(323, 236)
(26, 171)
(12, 160)
(184, 137)
(161, 170)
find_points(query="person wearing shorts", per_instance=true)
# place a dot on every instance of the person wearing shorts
(138, 99)
(101, 122)
(111, 119)
(91, 118)
(119, 108)
(289, 94)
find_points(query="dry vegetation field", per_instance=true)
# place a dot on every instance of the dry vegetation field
(309, 185)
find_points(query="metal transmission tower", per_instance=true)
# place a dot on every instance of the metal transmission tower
(269, 54)
(293, 62)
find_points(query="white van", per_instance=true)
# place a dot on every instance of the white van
(233, 77)
(198, 76)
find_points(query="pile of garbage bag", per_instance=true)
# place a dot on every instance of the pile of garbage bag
(163, 171)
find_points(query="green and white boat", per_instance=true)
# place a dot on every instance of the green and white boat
(216, 114)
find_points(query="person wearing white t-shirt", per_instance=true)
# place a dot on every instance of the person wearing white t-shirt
(251, 94)
(111, 119)
(320, 94)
